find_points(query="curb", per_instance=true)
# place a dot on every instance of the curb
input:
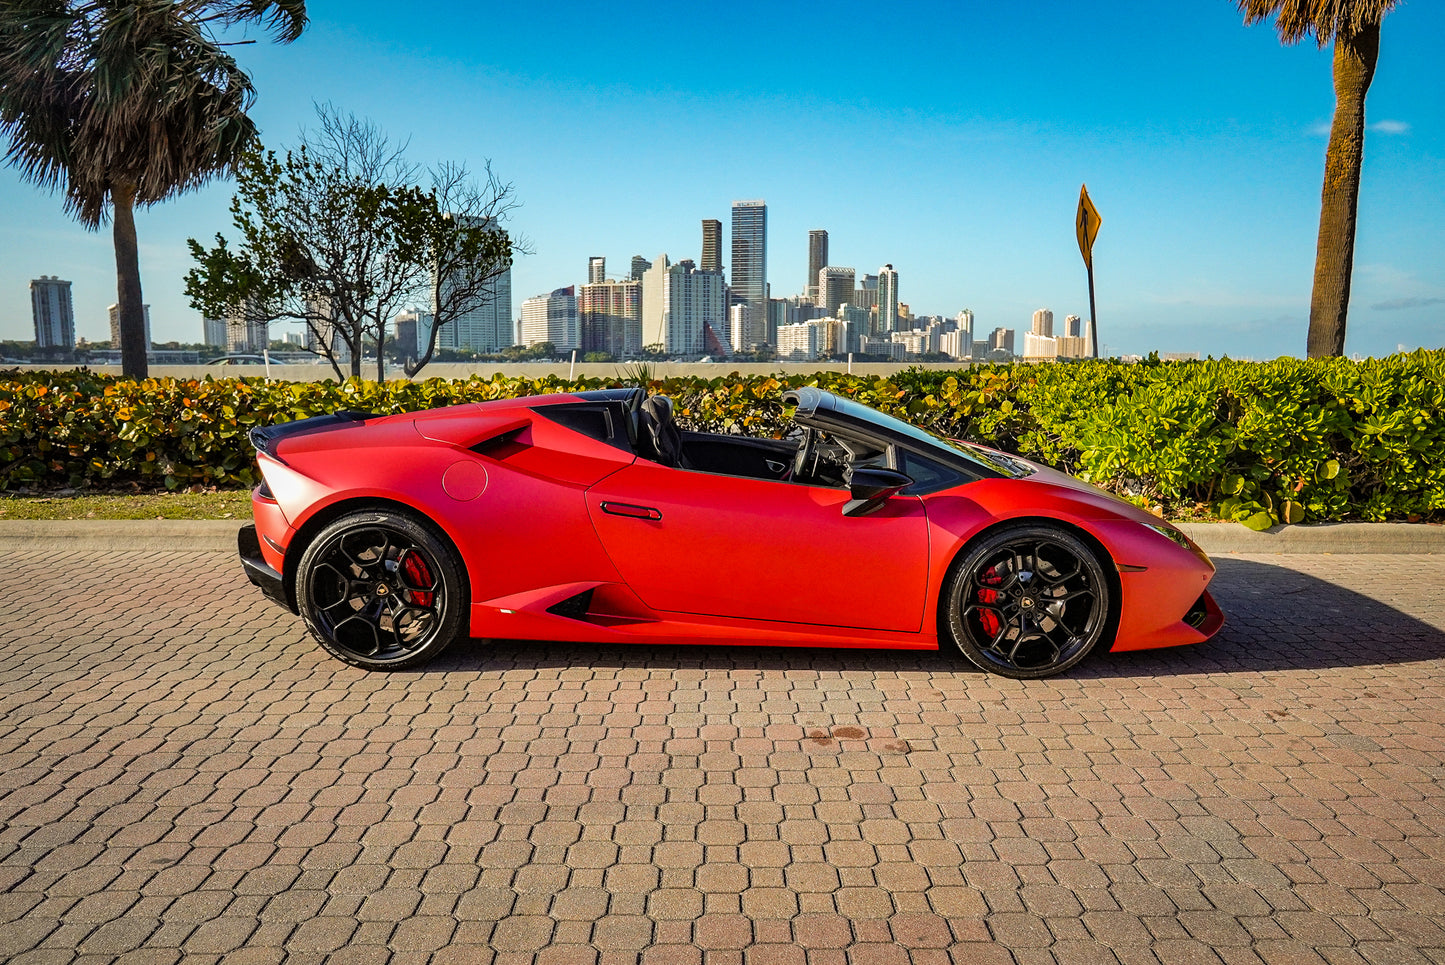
(219, 535)
(1341, 538)
(121, 535)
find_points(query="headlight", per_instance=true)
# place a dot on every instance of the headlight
(1174, 536)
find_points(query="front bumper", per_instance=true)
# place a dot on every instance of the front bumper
(258, 571)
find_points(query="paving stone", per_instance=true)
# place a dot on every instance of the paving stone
(185, 776)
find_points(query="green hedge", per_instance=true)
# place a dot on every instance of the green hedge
(1288, 440)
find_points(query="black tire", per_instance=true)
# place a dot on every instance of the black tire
(382, 590)
(1027, 602)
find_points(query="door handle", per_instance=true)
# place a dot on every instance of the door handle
(631, 511)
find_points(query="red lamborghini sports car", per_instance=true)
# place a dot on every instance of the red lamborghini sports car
(592, 517)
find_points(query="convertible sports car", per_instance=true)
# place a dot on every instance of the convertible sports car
(592, 517)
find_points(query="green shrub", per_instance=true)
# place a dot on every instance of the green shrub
(1288, 440)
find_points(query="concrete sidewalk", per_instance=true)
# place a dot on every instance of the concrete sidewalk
(1215, 538)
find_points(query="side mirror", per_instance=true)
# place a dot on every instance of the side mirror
(871, 488)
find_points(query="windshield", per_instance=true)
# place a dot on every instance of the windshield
(995, 461)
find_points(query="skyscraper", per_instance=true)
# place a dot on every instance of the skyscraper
(887, 300)
(551, 318)
(965, 324)
(412, 331)
(488, 326)
(834, 287)
(114, 312)
(596, 270)
(1073, 326)
(213, 331)
(53, 313)
(248, 334)
(639, 265)
(866, 295)
(750, 271)
(610, 316)
(711, 244)
(1043, 323)
(678, 300)
(817, 259)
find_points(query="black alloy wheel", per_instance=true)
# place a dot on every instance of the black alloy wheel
(381, 590)
(1027, 602)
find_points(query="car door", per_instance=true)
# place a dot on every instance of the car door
(728, 546)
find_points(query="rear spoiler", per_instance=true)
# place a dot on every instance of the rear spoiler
(265, 438)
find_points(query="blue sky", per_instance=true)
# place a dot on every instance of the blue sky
(948, 139)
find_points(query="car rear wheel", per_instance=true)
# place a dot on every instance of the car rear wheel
(381, 590)
(1027, 602)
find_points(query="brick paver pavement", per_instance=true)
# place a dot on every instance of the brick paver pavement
(184, 776)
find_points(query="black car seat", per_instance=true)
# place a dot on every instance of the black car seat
(658, 437)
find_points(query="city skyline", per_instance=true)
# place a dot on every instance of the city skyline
(958, 159)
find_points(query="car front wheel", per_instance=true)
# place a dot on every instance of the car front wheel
(381, 590)
(1027, 602)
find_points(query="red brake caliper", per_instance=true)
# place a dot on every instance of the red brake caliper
(988, 618)
(414, 568)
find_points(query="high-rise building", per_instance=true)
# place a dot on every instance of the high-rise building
(213, 332)
(639, 265)
(1039, 348)
(857, 321)
(113, 312)
(750, 270)
(1043, 323)
(833, 286)
(551, 318)
(956, 344)
(487, 327)
(610, 317)
(887, 300)
(248, 335)
(53, 312)
(413, 331)
(403, 333)
(596, 270)
(1001, 338)
(678, 301)
(711, 244)
(965, 325)
(1074, 326)
(866, 296)
(817, 260)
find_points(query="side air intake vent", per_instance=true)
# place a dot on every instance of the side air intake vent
(574, 607)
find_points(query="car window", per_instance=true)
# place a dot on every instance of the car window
(996, 462)
(928, 475)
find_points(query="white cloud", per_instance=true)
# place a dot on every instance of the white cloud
(1389, 127)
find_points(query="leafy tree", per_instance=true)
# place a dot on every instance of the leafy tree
(122, 103)
(1354, 27)
(337, 234)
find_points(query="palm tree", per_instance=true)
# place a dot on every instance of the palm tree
(1354, 26)
(127, 102)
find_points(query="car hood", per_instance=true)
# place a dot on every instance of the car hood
(1081, 490)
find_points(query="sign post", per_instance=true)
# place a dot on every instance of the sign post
(1086, 226)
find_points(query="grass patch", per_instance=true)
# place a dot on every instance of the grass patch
(217, 504)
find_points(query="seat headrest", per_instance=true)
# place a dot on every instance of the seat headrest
(661, 434)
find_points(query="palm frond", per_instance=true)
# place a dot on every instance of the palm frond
(96, 94)
(1324, 20)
